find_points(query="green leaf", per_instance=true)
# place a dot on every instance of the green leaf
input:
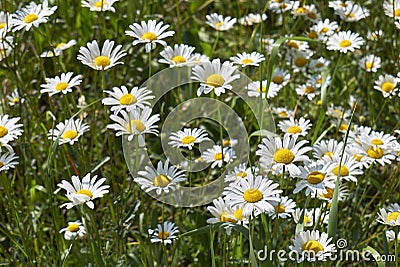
(374, 254)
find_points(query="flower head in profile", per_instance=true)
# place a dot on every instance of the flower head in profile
(15, 99)
(252, 18)
(217, 155)
(214, 76)
(224, 212)
(241, 171)
(248, 59)
(99, 5)
(257, 89)
(387, 85)
(8, 160)
(9, 129)
(180, 55)
(352, 12)
(219, 23)
(164, 179)
(85, 191)
(31, 16)
(344, 42)
(149, 33)
(74, 230)
(187, 138)
(68, 131)
(391, 217)
(371, 63)
(165, 233)
(60, 84)
(104, 60)
(283, 208)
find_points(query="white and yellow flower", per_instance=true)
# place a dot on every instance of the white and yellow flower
(68, 132)
(9, 129)
(8, 160)
(344, 42)
(219, 23)
(165, 233)
(257, 89)
(391, 218)
(187, 138)
(15, 99)
(74, 230)
(248, 59)
(295, 127)
(61, 84)
(218, 155)
(31, 16)
(180, 55)
(283, 208)
(99, 5)
(224, 212)
(370, 63)
(387, 85)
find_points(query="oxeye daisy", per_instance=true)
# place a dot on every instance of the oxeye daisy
(15, 99)
(135, 122)
(121, 98)
(50, 53)
(214, 76)
(224, 212)
(308, 217)
(199, 59)
(325, 149)
(392, 8)
(282, 112)
(343, 193)
(352, 12)
(165, 233)
(325, 28)
(248, 59)
(9, 129)
(8, 160)
(375, 35)
(257, 89)
(280, 77)
(391, 236)
(31, 15)
(370, 63)
(180, 55)
(344, 42)
(254, 193)
(6, 46)
(319, 64)
(277, 154)
(339, 4)
(220, 23)
(280, 6)
(164, 179)
(241, 171)
(150, 33)
(387, 85)
(295, 127)
(283, 208)
(391, 218)
(188, 138)
(60, 84)
(5, 23)
(299, 60)
(312, 246)
(297, 45)
(85, 191)
(68, 131)
(251, 19)
(63, 46)
(308, 90)
(349, 167)
(218, 155)
(99, 5)
(74, 230)
(104, 60)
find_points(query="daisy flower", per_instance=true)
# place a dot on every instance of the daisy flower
(325, 149)
(5, 23)
(219, 23)
(135, 122)
(68, 131)
(255, 90)
(254, 193)
(63, 46)
(150, 34)
(339, 4)
(83, 192)
(15, 99)
(6, 46)
(349, 168)
(31, 15)
(180, 55)
(344, 42)
(241, 171)
(60, 84)
(387, 85)
(164, 179)
(74, 230)
(308, 219)
(223, 212)
(247, 59)
(352, 12)
(299, 59)
(121, 98)
(284, 208)
(282, 112)
(312, 246)
(343, 193)
(50, 53)
(370, 63)
(315, 178)
(325, 28)
(9, 129)
(392, 8)
(165, 233)
(391, 236)
(277, 154)
(252, 18)
(104, 60)
(295, 127)
(214, 76)
(280, 6)
(374, 35)
(280, 77)
(308, 90)
(297, 45)
(389, 218)
(319, 64)
(99, 5)
(199, 59)
(218, 155)
(187, 138)
(8, 160)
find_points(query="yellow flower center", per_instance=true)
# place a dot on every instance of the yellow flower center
(393, 216)
(319, 65)
(283, 155)
(263, 89)
(312, 15)
(319, 81)
(139, 125)
(283, 6)
(313, 245)
(279, 208)
(315, 177)
(306, 219)
(343, 127)
(300, 62)
(387, 87)
(247, 61)
(227, 143)
(102, 61)
(343, 170)
(369, 65)
(277, 79)
(293, 44)
(70, 134)
(351, 15)
(218, 24)
(324, 30)
(294, 129)
(30, 18)
(127, 99)
(149, 36)
(100, 4)
(73, 227)
(215, 80)
(238, 214)
(161, 180)
(329, 154)
(188, 140)
(328, 194)
(282, 114)
(319, 102)
(309, 89)
(1, 164)
(218, 156)
(85, 192)
(312, 35)
(344, 43)
(241, 175)
(60, 45)
(301, 10)
(358, 157)
(377, 142)
(397, 12)
(3, 131)
(15, 100)
(61, 86)
(2, 25)
(375, 153)
(225, 218)
(252, 195)
(178, 59)
(163, 235)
